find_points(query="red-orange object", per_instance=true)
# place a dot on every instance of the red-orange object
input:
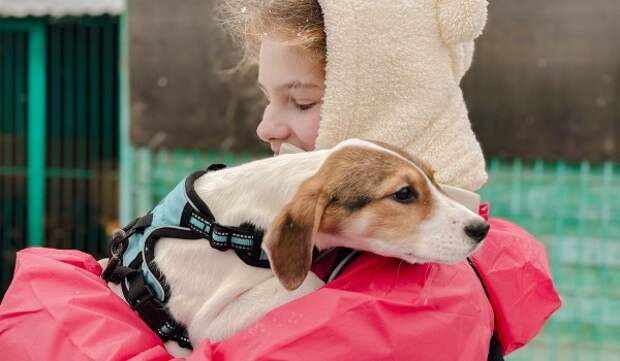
(57, 308)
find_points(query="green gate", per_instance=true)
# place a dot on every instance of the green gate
(59, 129)
(13, 146)
(82, 133)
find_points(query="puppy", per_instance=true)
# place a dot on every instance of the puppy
(362, 195)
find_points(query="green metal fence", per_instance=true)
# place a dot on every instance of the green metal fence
(13, 146)
(574, 209)
(82, 138)
(59, 134)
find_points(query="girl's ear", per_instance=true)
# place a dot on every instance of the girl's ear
(461, 20)
(289, 240)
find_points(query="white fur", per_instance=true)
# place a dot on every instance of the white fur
(224, 294)
(215, 294)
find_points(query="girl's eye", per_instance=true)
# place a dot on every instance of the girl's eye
(405, 195)
(303, 107)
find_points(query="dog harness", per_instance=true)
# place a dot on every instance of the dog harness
(181, 214)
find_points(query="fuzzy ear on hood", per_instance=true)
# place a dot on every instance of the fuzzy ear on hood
(392, 76)
(461, 20)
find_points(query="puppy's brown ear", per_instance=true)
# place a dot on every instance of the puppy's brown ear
(289, 240)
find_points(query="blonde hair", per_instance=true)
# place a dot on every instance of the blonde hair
(298, 22)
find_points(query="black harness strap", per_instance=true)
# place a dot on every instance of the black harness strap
(152, 311)
(196, 222)
(245, 240)
(344, 257)
(496, 352)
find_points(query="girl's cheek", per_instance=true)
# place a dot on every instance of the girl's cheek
(310, 127)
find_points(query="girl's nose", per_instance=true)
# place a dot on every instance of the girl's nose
(272, 128)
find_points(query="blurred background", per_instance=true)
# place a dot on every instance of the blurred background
(106, 104)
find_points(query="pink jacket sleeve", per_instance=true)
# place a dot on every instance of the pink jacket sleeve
(379, 309)
(57, 308)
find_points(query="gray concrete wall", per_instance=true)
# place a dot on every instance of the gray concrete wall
(545, 82)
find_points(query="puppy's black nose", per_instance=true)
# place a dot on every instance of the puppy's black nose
(477, 230)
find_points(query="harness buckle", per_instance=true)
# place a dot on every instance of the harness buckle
(143, 299)
(118, 243)
(118, 246)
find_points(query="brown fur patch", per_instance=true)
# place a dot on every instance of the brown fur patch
(354, 184)
(360, 183)
(289, 240)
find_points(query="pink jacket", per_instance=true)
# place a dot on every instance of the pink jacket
(57, 308)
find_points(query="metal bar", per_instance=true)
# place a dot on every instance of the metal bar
(36, 134)
(67, 134)
(126, 174)
(5, 268)
(19, 171)
(7, 116)
(55, 133)
(20, 138)
(11, 141)
(560, 216)
(515, 202)
(144, 197)
(19, 24)
(10, 129)
(580, 212)
(77, 173)
(161, 185)
(81, 124)
(178, 167)
(94, 57)
(195, 163)
(606, 189)
(108, 126)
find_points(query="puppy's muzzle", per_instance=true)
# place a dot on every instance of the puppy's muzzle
(477, 230)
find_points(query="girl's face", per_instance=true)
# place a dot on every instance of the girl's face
(293, 83)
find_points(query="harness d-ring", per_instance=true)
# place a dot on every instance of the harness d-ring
(119, 243)
(118, 246)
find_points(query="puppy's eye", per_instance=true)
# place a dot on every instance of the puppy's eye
(405, 195)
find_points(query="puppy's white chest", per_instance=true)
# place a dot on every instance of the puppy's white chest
(216, 294)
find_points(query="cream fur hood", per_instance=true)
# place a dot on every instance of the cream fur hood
(393, 73)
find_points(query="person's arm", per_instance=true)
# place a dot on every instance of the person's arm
(378, 309)
(58, 309)
(515, 270)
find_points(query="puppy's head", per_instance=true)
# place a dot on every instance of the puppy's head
(372, 197)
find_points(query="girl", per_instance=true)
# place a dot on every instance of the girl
(330, 70)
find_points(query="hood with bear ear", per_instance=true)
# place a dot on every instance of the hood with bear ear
(393, 72)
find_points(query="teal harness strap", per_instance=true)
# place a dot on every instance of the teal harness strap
(244, 240)
(183, 210)
(181, 214)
